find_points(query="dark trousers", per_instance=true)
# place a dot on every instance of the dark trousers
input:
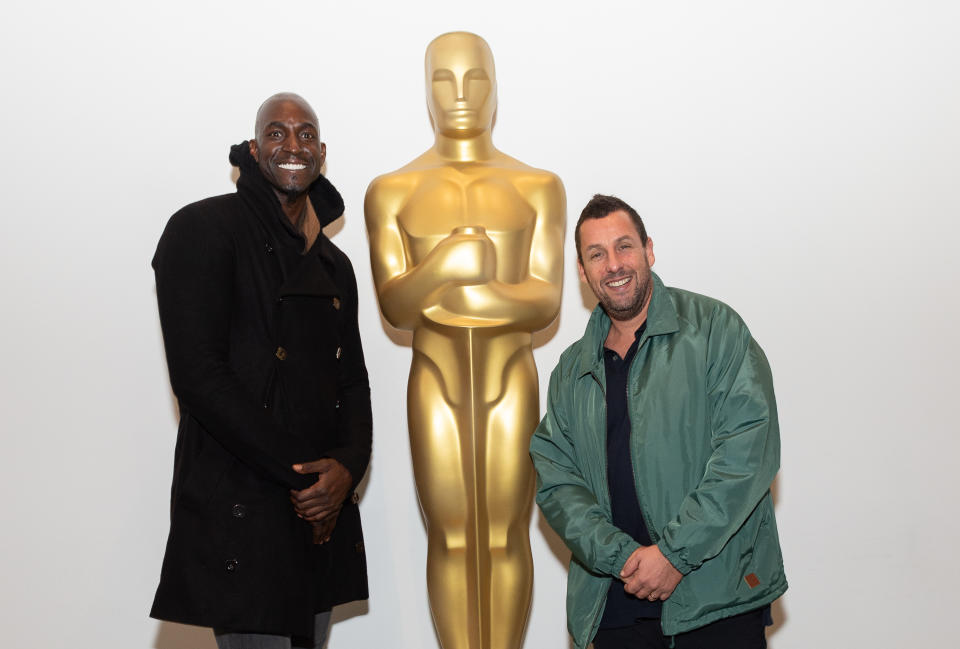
(744, 631)
(231, 640)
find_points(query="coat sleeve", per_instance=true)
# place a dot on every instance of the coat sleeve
(566, 499)
(354, 416)
(194, 267)
(745, 440)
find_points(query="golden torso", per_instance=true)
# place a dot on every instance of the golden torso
(468, 255)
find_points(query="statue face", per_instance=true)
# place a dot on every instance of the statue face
(461, 84)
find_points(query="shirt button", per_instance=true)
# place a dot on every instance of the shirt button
(339, 352)
(355, 498)
(336, 303)
(358, 548)
(239, 511)
(231, 565)
(268, 248)
(281, 353)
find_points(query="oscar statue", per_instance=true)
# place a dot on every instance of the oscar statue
(466, 249)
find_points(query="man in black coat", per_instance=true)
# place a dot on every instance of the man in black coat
(259, 316)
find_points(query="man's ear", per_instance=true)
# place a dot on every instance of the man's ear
(323, 154)
(583, 275)
(254, 150)
(651, 259)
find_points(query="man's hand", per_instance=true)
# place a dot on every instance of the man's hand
(322, 530)
(326, 495)
(648, 574)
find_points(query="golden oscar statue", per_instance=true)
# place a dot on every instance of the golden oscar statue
(466, 248)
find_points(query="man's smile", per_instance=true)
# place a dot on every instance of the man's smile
(292, 166)
(617, 283)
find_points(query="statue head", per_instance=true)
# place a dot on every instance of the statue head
(461, 84)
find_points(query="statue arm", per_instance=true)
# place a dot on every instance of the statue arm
(533, 303)
(406, 289)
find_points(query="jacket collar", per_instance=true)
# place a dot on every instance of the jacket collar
(661, 319)
(253, 187)
(327, 203)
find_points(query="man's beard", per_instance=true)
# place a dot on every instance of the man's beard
(293, 193)
(633, 308)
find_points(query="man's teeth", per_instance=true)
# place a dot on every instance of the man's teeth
(292, 166)
(619, 282)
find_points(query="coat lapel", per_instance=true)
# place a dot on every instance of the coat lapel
(312, 276)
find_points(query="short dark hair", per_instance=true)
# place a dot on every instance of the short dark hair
(602, 205)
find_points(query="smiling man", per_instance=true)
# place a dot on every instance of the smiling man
(259, 316)
(656, 455)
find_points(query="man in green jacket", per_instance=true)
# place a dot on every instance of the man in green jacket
(655, 457)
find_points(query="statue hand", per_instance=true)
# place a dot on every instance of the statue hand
(468, 256)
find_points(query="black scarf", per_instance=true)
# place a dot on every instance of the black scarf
(326, 200)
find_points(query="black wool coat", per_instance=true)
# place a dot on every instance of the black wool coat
(264, 356)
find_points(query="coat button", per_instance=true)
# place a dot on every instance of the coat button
(355, 498)
(281, 353)
(231, 565)
(339, 352)
(358, 548)
(336, 303)
(239, 511)
(268, 248)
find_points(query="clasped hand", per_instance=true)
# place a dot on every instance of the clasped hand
(320, 503)
(468, 256)
(648, 574)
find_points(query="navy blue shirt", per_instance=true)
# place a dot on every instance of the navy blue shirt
(623, 609)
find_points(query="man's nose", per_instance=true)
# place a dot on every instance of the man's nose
(291, 142)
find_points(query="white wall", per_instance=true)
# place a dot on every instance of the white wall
(798, 160)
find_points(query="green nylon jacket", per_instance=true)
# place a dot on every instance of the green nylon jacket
(705, 448)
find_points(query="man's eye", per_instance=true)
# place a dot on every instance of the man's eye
(307, 136)
(274, 134)
(595, 256)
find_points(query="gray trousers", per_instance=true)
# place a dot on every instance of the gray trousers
(227, 640)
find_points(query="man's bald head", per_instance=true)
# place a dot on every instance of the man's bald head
(287, 144)
(268, 106)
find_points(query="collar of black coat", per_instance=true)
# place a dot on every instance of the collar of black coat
(661, 319)
(326, 200)
(313, 275)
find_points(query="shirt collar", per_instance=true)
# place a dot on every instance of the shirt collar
(661, 320)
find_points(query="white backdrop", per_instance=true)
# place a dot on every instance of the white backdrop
(798, 160)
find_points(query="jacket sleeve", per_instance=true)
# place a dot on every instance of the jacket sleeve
(566, 499)
(194, 267)
(354, 416)
(745, 439)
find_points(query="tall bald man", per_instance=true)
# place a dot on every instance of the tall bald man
(259, 316)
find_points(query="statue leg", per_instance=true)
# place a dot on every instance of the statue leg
(508, 495)
(443, 468)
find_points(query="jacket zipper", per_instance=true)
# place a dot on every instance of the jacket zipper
(652, 530)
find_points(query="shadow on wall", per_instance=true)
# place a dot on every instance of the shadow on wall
(777, 610)
(557, 548)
